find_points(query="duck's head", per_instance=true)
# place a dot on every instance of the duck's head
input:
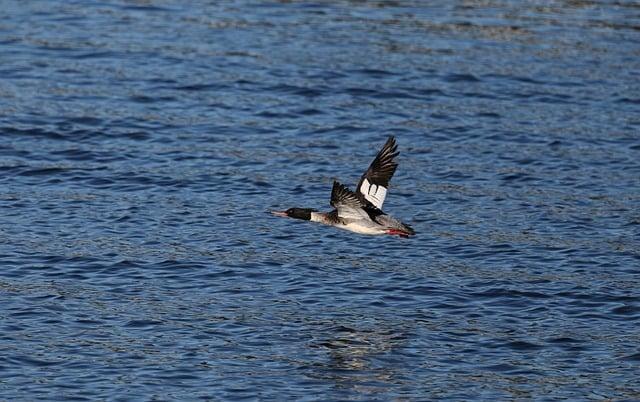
(297, 213)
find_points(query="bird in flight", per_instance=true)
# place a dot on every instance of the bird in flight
(361, 211)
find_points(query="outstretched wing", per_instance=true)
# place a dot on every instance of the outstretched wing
(374, 183)
(349, 206)
(346, 202)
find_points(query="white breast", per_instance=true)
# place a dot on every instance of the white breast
(353, 225)
(362, 228)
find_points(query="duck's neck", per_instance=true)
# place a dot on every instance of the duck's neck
(319, 217)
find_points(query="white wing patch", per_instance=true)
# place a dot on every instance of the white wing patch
(373, 193)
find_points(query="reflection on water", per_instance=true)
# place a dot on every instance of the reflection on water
(356, 359)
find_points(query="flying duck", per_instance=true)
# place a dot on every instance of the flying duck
(361, 211)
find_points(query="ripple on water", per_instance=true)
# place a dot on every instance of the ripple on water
(137, 260)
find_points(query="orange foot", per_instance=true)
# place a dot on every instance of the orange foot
(398, 232)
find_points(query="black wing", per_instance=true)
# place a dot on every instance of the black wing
(374, 183)
(348, 205)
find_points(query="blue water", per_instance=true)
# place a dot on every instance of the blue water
(142, 142)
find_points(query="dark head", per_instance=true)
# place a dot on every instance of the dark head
(297, 213)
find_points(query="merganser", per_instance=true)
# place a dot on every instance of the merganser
(361, 212)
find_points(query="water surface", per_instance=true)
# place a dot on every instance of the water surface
(142, 142)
